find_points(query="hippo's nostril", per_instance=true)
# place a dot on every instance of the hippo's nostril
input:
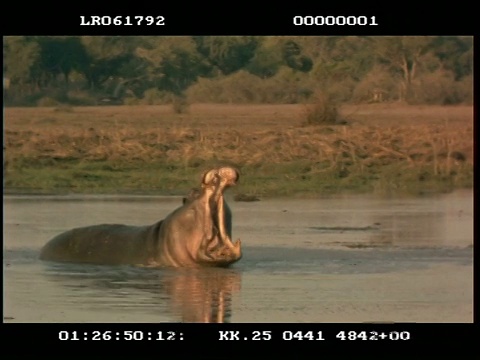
(229, 174)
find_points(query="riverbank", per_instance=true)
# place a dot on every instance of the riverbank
(382, 148)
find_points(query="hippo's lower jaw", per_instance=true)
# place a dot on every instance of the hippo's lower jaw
(223, 255)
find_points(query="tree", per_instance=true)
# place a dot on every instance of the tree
(403, 54)
(112, 57)
(267, 59)
(345, 66)
(455, 54)
(227, 53)
(173, 63)
(62, 55)
(293, 57)
(21, 56)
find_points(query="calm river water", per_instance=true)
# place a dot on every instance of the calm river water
(335, 259)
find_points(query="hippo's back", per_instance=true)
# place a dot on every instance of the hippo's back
(100, 244)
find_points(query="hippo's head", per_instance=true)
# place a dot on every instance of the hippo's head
(218, 249)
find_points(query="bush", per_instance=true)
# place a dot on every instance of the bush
(64, 108)
(287, 86)
(239, 87)
(377, 86)
(154, 96)
(180, 105)
(434, 88)
(47, 102)
(464, 90)
(80, 98)
(323, 112)
(132, 100)
(342, 90)
(439, 87)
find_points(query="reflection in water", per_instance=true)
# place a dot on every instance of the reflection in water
(203, 295)
(192, 295)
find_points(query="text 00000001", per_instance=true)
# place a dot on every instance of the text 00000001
(334, 20)
(122, 20)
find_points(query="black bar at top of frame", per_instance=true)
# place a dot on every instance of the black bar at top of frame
(392, 18)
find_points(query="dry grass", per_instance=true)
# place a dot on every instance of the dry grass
(437, 141)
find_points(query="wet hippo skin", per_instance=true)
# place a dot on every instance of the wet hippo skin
(196, 234)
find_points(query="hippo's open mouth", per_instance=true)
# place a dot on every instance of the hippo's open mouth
(219, 248)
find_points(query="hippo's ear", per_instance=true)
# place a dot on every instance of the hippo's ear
(191, 196)
(193, 193)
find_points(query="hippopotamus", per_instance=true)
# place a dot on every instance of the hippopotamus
(196, 234)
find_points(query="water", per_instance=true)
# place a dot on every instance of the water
(335, 259)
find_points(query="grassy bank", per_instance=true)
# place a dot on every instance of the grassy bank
(383, 149)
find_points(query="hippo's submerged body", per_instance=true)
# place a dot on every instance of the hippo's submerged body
(196, 234)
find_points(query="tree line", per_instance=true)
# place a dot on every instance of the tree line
(87, 70)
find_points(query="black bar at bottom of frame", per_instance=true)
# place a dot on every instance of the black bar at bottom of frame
(278, 337)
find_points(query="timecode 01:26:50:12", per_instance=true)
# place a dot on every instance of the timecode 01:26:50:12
(119, 335)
